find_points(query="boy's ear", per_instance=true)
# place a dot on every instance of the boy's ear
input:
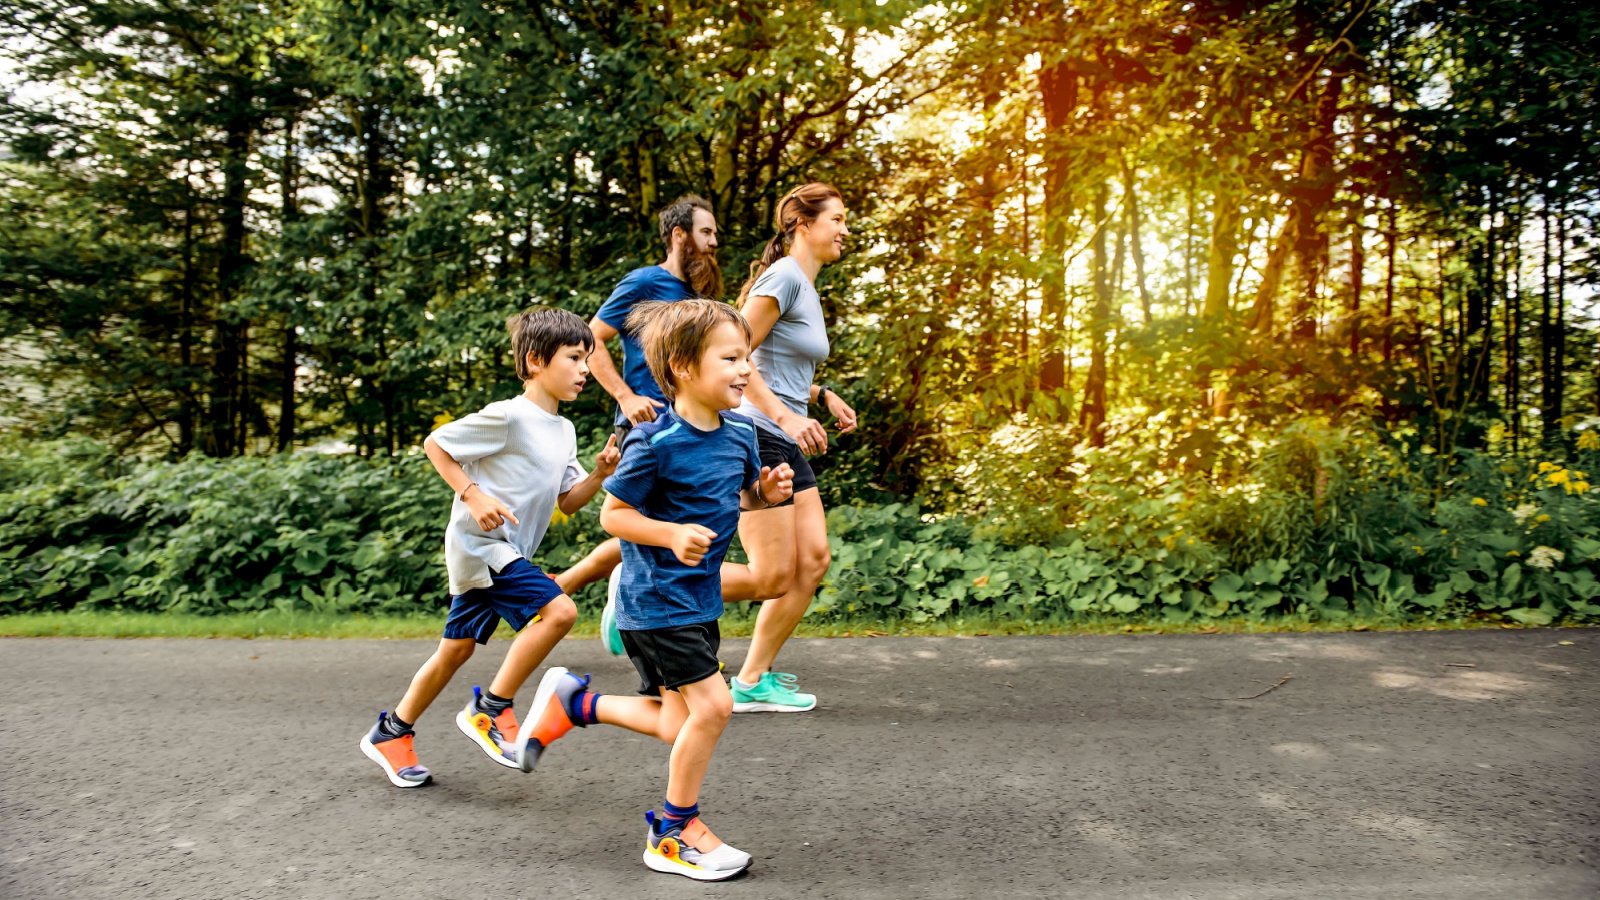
(534, 362)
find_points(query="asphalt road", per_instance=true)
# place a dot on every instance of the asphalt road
(1421, 765)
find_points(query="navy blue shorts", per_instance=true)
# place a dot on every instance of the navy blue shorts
(520, 590)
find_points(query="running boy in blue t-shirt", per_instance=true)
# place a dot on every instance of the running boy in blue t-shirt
(510, 465)
(674, 501)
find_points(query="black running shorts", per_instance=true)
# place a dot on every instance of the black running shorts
(673, 657)
(776, 450)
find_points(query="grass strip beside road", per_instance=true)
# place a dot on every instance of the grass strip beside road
(737, 623)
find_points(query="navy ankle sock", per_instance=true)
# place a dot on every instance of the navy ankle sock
(393, 726)
(673, 816)
(584, 708)
(493, 703)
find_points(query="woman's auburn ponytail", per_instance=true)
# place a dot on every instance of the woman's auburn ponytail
(771, 253)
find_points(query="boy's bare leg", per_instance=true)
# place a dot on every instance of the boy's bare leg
(532, 644)
(710, 706)
(433, 676)
(777, 619)
(645, 715)
(596, 566)
(768, 539)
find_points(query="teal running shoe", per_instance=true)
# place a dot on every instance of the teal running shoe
(609, 634)
(775, 692)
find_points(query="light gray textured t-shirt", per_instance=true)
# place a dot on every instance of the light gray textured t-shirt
(798, 342)
(522, 456)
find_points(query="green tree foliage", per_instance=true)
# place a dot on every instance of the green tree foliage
(1091, 239)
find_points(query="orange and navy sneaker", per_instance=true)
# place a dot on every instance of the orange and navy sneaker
(551, 714)
(495, 735)
(396, 755)
(691, 850)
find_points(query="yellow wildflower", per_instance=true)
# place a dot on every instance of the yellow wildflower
(1540, 519)
(1589, 439)
(442, 419)
(1479, 501)
(1578, 487)
(1545, 467)
(1513, 553)
(1559, 476)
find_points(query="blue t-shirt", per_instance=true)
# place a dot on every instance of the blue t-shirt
(648, 283)
(673, 472)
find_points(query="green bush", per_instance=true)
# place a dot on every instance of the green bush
(302, 531)
(1317, 522)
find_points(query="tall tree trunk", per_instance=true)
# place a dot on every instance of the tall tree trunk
(377, 184)
(222, 436)
(289, 189)
(1319, 183)
(1092, 414)
(1188, 246)
(1302, 238)
(1225, 221)
(1549, 380)
(1559, 357)
(1058, 88)
(1130, 195)
(1358, 266)
(1390, 240)
(186, 304)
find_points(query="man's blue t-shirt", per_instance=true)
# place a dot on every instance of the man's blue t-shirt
(648, 283)
(672, 471)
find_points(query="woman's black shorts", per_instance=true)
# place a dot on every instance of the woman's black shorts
(778, 449)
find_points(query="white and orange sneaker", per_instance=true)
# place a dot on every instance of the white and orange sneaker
(548, 718)
(396, 755)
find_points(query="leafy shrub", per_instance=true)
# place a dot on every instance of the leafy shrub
(202, 535)
(1318, 521)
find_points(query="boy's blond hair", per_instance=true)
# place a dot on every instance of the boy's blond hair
(543, 331)
(674, 335)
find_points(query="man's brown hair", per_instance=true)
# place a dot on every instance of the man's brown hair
(674, 335)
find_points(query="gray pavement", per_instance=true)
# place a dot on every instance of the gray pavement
(1451, 764)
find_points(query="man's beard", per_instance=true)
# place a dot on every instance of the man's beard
(701, 271)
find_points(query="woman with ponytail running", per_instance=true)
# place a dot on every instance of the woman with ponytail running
(789, 340)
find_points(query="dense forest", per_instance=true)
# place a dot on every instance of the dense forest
(1282, 281)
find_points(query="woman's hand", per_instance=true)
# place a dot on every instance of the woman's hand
(842, 413)
(807, 432)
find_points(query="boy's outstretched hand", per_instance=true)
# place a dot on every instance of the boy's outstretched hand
(605, 462)
(777, 485)
(690, 543)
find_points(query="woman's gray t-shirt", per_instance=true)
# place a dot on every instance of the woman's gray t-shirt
(788, 358)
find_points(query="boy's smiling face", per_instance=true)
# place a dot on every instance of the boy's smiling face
(565, 373)
(720, 377)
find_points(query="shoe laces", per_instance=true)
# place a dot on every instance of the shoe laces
(786, 682)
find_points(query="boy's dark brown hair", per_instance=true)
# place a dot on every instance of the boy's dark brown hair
(543, 331)
(674, 335)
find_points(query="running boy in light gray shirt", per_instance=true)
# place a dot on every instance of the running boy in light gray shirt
(510, 465)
